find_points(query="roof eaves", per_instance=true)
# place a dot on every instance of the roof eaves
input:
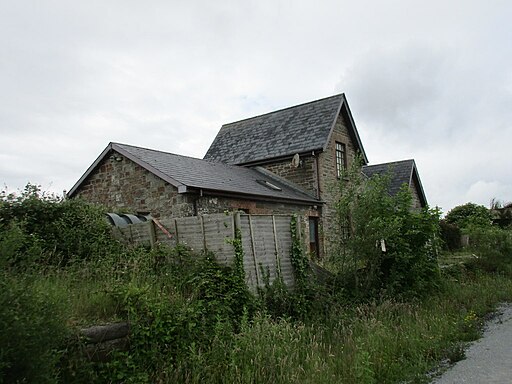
(252, 196)
(423, 196)
(267, 160)
(333, 123)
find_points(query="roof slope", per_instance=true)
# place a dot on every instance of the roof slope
(403, 171)
(302, 128)
(187, 173)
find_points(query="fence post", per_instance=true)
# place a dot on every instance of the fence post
(237, 223)
(152, 233)
(203, 233)
(176, 227)
(253, 248)
(278, 261)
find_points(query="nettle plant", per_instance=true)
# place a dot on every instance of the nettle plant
(382, 245)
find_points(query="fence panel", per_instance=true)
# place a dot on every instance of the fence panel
(266, 241)
(165, 233)
(265, 246)
(190, 232)
(218, 230)
(284, 246)
(251, 264)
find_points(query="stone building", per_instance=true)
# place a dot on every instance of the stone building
(146, 181)
(286, 161)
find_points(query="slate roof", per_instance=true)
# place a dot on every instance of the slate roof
(403, 171)
(299, 129)
(188, 174)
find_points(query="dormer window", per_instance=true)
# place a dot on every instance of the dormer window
(341, 158)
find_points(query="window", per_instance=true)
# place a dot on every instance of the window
(341, 158)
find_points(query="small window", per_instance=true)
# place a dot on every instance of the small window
(341, 158)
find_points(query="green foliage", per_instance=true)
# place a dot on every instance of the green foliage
(450, 234)
(298, 257)
(493, 248)
(32, 331)
(368, 220)
(469, 214)
(194, 321)
(37, 228)
(167, 328)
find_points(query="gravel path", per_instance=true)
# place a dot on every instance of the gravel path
(489, 359)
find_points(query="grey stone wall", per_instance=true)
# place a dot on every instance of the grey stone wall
(305, 176)
(416, 203)
(126, 186)
(328, 175)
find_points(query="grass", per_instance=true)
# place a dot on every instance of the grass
(180, 336)
(193, 321)
(381, 342)
(385, 342)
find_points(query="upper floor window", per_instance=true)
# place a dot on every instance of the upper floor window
(341, 158)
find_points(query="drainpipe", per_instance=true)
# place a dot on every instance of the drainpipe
(318, 191)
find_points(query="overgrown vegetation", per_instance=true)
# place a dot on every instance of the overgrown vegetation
(378, 317)
(381, 244)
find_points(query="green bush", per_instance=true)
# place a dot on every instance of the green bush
(32, 333)
(368, 219)
(493, 248)
(190, 299)
(37, 228)
(469, 214)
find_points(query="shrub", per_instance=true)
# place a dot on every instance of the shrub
(493, 248)
(32, 331)
(181, 315)
(39, 228)
(382, 244)
(469, 214)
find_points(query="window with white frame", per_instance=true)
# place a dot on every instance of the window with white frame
(341, 158)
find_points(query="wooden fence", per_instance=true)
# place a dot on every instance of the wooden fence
(266, 241)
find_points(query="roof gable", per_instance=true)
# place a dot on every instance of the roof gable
(404, 171)
(188, 173)
(299, 129)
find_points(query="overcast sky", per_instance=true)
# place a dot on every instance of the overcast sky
(429, 80)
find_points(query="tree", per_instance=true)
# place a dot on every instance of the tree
(469, 214)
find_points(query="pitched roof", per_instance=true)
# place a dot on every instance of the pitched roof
(403, 171)
(299, 129)
(189, 174)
